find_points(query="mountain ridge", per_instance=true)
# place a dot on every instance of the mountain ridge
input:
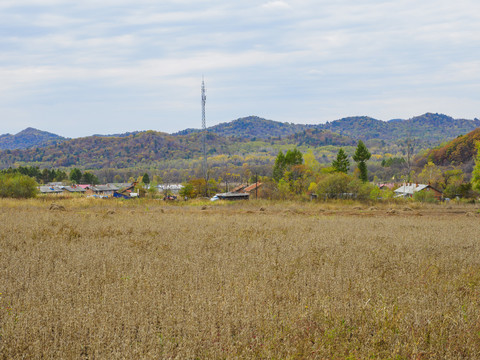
(240, 136)
(27, 138)
(243, 128)
(427, 127)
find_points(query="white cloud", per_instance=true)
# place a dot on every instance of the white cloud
(276, 5)
(290, 59)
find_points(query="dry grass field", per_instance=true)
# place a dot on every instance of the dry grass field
(148, 280)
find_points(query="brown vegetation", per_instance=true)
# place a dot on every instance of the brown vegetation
(252, 280)
(458, 151)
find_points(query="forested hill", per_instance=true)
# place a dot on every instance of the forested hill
(244, 136)
(28, 138)
(150, 147)
(360, 127)
(317, 137)
(458, 151)
(253, 127)
(430, 128)
(96, 152)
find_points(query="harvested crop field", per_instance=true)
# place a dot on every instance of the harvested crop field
(116, 280)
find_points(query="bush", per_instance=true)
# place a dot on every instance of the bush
(463, 191)
(335, 186)
(424, 196)
(17, 186)
(361, 190)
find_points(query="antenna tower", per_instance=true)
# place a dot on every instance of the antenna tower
(204, 138)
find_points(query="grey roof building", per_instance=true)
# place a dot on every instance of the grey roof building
(74, 189)
(46, 189)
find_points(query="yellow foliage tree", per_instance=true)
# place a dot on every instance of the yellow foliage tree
(431, 174)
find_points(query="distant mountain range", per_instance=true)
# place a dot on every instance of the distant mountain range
(243, 135)
(28, 138)
(429, 127)
(252, 127)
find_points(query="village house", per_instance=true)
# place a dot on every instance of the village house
(74, 189)
(390, 186)
(253, 189)
(239, 188)
(409, 189)
(50, 189)
(126, 192)
(169, 188)
(240, 192)
(249, 189)
(105, 190)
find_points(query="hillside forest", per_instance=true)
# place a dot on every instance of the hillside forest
(431, 148)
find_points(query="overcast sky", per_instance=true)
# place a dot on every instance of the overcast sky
(78, 68)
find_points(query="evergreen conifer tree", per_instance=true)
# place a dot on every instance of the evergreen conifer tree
(360, 157)
(75, 175)
(146, 179)
(341, 163)
(279, 167)
(282, 162)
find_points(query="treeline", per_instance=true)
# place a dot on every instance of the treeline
(40, 176)
(45, 176)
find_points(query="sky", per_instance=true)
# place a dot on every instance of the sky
(112, 66)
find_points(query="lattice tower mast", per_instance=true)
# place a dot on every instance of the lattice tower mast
(204, 131)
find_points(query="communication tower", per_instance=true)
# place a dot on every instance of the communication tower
(204, 138)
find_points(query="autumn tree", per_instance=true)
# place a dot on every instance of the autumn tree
(341, 163)
(360, 157)
(454, 185)
(199, 186)
(476, 170)
(152, 190)
(431, 174)
(187, 191)
(17, 186)
(311, 163)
